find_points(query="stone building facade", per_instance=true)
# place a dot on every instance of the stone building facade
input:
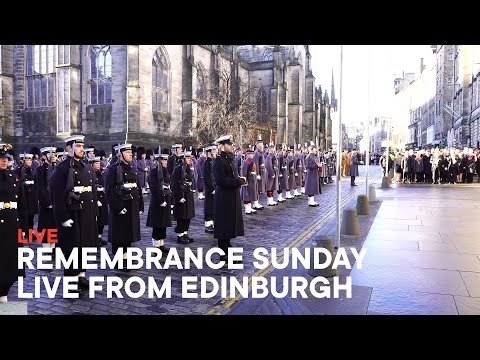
(149, 94)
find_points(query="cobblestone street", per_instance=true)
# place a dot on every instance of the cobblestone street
(276, 226)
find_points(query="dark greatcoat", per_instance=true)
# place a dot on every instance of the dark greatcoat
(123, 229)
(182, 186)
(83, 212)
(199, 177)
(209, 205)
(259, 159)
(272, 172)
(142, 173)
(158, 216)
(291, 172)
(298, 170)
(29, 194)
(9, 225)
(228, 206)
(249, 171)
(46, 219)
(102, 217)
(312, 182)
(283, 176)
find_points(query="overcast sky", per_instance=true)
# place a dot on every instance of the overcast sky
(384, 62)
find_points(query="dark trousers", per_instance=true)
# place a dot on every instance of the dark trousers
(182, 226)
(100, 229)
(115, 248)
(352, 180)
(419, 176)
(5, 288)
(224, 244)
(27, 223)
(71, 271)
(469, 178)
(159, 233)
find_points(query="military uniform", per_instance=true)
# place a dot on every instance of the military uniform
(26, 174)
(199, 177)
(11, 203)
(282, 176)
(312, 182)
(159, 216)
(259, 160)
(102, 203)
(74, 199)
(183, 202)
(228, 206)
(46, 219)
(291, 176)
(272, 172)
(249, 193)
(209, 180)
(125, 200)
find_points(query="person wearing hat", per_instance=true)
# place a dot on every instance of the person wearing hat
(298, 171)
(312, 181)
(249, 193)
(10, 205)
(89, 154)
(173, 158)
(228, 205)
(74, 200)
(199, 177)
(272, 172)
(102, 204)
(143, 169)
(239, 160)
(354, 167)
(29, 192)
(282, 176)
(209, 181)
(184, 206)
(35, 151)
(261, 171)
(46, 219)
(291, 173)
(159, 216)
(125, 200)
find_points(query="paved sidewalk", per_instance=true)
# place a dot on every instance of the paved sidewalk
(422, 258)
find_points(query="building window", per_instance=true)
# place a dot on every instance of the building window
(160, 81)
(450, 80)
(201, 91)
(262, 113)
(100, 75)
(450, 56)
(268, 55)
(40, 75)
(449, 104)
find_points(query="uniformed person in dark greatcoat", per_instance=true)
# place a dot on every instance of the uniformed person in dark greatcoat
(74, 199)
(10, 205)
(46, 219)
(173, 158)
(102, 204)
(29, 193)
(228, 205)
(182, 188)
(249, 193)
(209, 181)
(159, 216)
(125, 199)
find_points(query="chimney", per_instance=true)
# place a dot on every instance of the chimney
(421, 66)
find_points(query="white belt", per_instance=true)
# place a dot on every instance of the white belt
(102, 189)
(8, 205)
(129, 185)
(253, 173)
(81, 189)
(29, 182)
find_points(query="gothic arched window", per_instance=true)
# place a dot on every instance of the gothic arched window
(100, 75)
(201, 91)
(40, 75)
(160, 81)
(262, 112)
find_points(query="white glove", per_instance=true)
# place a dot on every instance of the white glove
(304, 170)
(296, 174)
(213, 192)
(123, 212)
(259, 177)
(67, 223)
(146, 169)
(99, 203)
(140, 212)
(50, 207)
(182, 200)
(273, 176)
(280, 175)
(163, 204)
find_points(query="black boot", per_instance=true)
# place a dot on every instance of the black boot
(182, 240)
(164, 249)
(83, 283)
(190, 239)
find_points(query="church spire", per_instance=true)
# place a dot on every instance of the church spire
(333, 101)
